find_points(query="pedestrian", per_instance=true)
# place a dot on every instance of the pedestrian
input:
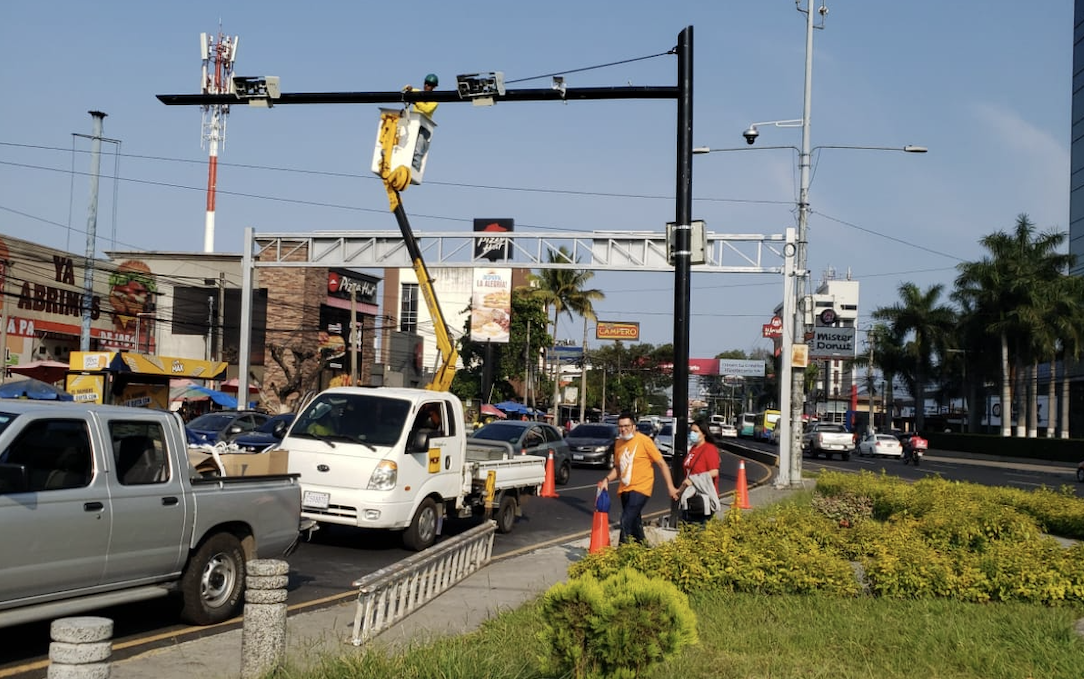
(426, 107)
(634, 454)
(700, 489)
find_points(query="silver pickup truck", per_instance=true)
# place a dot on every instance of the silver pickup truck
(828, 438)
(100, 506)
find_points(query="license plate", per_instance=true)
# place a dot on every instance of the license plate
(315, 500)
(577, 457)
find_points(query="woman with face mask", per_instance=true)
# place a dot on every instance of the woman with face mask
(700, 489)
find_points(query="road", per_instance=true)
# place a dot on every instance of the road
(321, 571)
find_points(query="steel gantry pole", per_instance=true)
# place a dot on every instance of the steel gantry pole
(682, 249)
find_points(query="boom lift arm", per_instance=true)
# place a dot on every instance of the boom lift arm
(396, 180)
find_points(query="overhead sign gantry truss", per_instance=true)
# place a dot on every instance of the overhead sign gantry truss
(594, 251)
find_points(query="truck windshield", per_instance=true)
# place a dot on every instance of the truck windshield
(6, 419)
(360, 418)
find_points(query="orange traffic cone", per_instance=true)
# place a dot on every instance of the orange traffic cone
(600, 532)
(548, 486)
(741, 494)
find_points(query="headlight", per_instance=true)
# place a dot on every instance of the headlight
(384, 476)
(601, 449)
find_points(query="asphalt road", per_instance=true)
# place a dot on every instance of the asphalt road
(321, 571)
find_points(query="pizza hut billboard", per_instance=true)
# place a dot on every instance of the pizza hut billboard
(617, 330)
(490, 244)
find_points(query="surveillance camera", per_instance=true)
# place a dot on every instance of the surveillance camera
(751, 135)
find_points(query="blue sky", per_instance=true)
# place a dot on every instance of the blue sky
(986, 86)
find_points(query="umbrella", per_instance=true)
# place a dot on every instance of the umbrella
(490, 409)
(230, 386)
(35, 389)
(46, 371)
(512, 407)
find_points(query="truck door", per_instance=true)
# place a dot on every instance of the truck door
(439, 469)
(55, 523)
(149, 502)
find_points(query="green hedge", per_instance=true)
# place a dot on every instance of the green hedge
(1038, 449)
(931, 538)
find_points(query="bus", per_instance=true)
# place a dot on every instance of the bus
(746, 422)
(764, 424)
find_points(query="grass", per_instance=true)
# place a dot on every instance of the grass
(751, 636)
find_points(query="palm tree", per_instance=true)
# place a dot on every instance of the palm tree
(1012, 288)
(563, 290)
(920, 316)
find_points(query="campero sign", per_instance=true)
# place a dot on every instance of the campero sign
(617, 330)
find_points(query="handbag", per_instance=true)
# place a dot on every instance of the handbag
(696, 505)
(602, 501)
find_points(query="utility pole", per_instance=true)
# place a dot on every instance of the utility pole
(5, 268)
(211, 328)
(92, 228)
(869, 380)
(220, 334)
(353, 335)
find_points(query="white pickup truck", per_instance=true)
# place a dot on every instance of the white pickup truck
(99, 506)
(400, 459)
(828, 438)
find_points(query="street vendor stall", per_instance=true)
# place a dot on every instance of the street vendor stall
(131, 379)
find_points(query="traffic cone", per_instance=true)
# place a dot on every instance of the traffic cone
(741, 494)
(600, 532)
(548, 486)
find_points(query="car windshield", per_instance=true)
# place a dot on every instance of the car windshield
(269, 426)
(500, 431)
(593, 431)
(667, 430)
(645, 427)
(357, 417)
(212, 421)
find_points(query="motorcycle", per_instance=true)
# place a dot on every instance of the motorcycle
(914, 449)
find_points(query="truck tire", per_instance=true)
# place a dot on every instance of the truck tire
(564, 473)
(213, 581)
(506, 514)
(846, 456)
(422, 532)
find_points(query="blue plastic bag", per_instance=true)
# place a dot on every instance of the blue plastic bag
(602, 500)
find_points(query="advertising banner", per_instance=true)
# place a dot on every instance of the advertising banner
(741, 367)
(831, 343)
(617, 330)
(492, 245)
(491, 305)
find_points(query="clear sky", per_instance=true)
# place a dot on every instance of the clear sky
(986, 86)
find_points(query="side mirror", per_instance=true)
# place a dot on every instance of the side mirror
(280, 429)
(14, 479)
(419, 442)
(234, 429)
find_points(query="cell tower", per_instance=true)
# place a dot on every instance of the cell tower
(218, 56)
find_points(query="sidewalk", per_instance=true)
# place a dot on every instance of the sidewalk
(502, 585)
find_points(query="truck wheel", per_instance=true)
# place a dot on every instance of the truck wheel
(564, 473)
(213, 581)
(845, 456)
(506, 514)
(422, 532)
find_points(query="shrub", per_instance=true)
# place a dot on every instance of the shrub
(616, 627)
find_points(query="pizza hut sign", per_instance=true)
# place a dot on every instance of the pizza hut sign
(340, 284)
(493, 246)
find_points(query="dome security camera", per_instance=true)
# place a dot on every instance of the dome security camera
(751, 135)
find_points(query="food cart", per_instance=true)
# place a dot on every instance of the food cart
(131, 379)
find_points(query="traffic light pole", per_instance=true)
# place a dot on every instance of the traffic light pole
(682, 92)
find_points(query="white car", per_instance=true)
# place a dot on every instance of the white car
(728, 431)
(880, 445)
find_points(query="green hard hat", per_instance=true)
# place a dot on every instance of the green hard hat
(432, 79)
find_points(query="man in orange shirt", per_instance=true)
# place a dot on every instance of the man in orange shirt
(634, 453)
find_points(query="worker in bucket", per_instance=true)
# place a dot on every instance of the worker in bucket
(426, 107)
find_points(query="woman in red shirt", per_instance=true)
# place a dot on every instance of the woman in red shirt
(702, 458)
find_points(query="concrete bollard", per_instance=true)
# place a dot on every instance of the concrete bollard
(263, 636)
(81, 648)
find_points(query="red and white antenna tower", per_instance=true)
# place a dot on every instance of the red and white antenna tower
(218, 56)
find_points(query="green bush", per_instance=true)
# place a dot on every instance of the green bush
(615, 627)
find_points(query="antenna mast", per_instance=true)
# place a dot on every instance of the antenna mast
(218, 56)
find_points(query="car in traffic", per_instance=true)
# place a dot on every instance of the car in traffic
(268, 434)
(728, 431)
(646, 428)
(223, 425)
(880, 445)
(665, 440)
(592, 443)
(532, 438)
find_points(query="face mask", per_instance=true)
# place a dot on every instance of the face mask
(694, 437)
(627, 436)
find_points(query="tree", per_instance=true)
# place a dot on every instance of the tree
(919, 315)
(563, 290)
(1011, 289)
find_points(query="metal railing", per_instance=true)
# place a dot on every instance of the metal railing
(388, 595)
